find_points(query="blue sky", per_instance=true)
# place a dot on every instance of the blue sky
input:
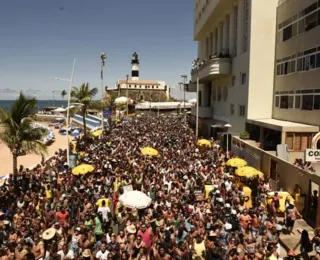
(39, 41)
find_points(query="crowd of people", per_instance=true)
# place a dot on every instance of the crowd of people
(53, 214)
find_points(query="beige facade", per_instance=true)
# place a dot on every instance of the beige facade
(297, 90)
(297, 74)
(236, 41)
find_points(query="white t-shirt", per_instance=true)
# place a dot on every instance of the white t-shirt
(102, 256)
(104, 211)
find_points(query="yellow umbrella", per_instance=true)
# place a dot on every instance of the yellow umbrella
(99, 202)
(236, 162)
(248, 171)
(149, 151)
(82, 169)
(97, 133)
(204, 142)
(283, 196)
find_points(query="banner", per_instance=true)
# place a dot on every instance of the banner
(72, 160)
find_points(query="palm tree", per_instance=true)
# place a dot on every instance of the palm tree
(63, 93)
(84, 95)
(18, 131)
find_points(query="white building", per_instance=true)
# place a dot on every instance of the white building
(236, 46)
(141, 90)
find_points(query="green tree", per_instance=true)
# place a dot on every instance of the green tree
(18, 131)
(84, 95)
(63, 93)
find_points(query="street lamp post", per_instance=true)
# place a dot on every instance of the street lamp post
(103, 57)
(127, 96)
(68, 108)
(196, 64)
(184, 79)
(227, 126)
(180, 84)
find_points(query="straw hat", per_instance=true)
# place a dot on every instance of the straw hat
(48, 234)
(86, 253)
(212, 234)
(131, 229)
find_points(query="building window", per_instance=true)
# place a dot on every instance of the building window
(284, 101)
(228, 34)
(152, 86)
(307, 102)
(235, 32)
(232, 109)
(290, 101)
(277, 101)
(129, 86)
(233, 80)
(216, 40)
(157, 86)
(211, 44)
(289, 32)
(199, 98)
(316, 103)
(221, 38)
(243, 77)
(242, 110)
(246, 26)
(297, 102)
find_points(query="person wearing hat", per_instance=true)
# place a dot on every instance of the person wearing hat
(86, 255)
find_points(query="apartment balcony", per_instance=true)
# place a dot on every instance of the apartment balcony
(212, 68)
(204, 112)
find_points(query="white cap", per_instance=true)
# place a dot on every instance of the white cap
(217, 192)
(227, 226)
(220, 199)
(233, 212)
(227, 205)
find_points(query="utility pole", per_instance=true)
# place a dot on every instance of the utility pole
(184, 79)
(103, 57)
(196, 64)
(127, 97)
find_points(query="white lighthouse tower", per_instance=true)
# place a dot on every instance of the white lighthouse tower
(134, 67)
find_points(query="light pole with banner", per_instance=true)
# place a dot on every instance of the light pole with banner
(196, 64)
(68, 108)
(184, 79)
(227, 126)
(103, 57)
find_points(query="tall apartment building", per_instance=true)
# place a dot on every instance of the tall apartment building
(236, 41)
(297, 74)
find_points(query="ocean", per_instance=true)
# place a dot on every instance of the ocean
(6, 104)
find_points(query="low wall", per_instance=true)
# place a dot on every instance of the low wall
(286, 174)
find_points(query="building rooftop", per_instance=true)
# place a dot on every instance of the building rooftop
(163, 105)
(138, 82)
(281, 125)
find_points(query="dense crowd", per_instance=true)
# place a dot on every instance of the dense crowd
(55, 215)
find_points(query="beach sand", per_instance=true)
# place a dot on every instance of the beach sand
(29, 160)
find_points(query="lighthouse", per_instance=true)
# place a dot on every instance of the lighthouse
(134, 67)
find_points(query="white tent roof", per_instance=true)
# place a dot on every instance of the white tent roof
(59, 109)
(164, 105)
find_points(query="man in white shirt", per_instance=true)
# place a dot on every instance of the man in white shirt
(106, 212)
(103, 253)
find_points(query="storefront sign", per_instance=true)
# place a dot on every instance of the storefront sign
(312, 155)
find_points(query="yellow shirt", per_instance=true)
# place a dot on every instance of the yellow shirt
(49, 194)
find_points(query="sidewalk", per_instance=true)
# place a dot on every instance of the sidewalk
(288, 242)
